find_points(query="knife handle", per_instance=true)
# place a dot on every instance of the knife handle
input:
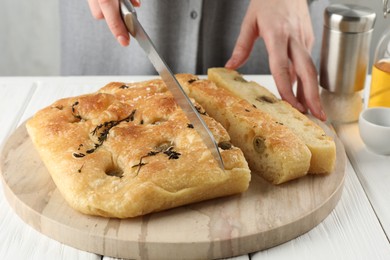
(128, 13)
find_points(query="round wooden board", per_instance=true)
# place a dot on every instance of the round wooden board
(262, 217)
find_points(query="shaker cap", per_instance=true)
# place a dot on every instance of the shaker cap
(349, 18)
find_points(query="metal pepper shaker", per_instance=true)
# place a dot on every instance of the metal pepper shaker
(345, 47)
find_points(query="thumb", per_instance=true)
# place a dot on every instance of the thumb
(244, 45)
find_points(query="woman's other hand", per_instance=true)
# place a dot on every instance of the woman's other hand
(286, 29)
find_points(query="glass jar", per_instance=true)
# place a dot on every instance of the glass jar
(380, 76)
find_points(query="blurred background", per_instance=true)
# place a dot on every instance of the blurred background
(30, 37)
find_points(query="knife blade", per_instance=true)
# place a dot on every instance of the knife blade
(136, 30)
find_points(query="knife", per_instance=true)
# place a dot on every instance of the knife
(134, 27)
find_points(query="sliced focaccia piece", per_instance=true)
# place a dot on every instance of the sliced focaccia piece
(128, 150)
(321, 146)
(270, 148)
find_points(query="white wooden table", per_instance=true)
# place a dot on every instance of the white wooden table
(358, 228)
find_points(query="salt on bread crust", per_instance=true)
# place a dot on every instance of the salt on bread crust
(128, 150)
(271, 149)
(321, 146)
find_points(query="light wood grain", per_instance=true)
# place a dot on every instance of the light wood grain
(262, 217)
(350, 232)
(12, 105)
(18, 240)
(373, 171)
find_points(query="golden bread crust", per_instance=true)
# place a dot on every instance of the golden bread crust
(128, 150)
(270, 148)
(321, 146)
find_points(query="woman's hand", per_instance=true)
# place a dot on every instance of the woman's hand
(286, 28)
(109, 10)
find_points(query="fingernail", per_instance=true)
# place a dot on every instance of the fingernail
(231, 64)
(323, 115)
(300, 107)
(123, 40)
(228, 64)
(136, 2)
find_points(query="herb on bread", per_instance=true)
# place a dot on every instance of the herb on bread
(78, 155)
(191, 81)
(74, 110)
(201, 110)
(79, 170)
(165, 148)
(171, 153)
(225, 145)
(102, 131)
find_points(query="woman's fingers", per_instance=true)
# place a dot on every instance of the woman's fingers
(244, 44)
(109, 10)
(307, 78)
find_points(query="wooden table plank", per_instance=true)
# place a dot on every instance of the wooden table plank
(20, 241)
(351, 231)
(14, 96)
(373, 171)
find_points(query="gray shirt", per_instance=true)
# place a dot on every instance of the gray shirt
(191, 36)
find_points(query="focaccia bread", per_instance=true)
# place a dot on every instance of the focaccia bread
(321, 146)
(128, 150)
(271, 149)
